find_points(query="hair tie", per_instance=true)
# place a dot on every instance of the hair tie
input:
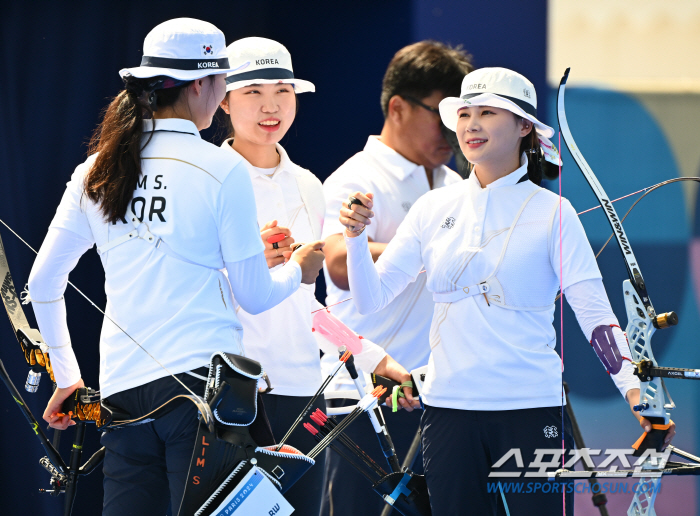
(134, 88)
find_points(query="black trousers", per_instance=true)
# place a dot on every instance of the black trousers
(145, 466)
(305, 495)
(460, 447)
(347, 491)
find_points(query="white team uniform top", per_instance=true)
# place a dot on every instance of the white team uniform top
(497, 357)
(402, 328)
(198, 199)
(281, 338)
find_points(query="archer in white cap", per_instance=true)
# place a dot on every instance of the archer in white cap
(491, 248)
(167, 212)
(261, 105)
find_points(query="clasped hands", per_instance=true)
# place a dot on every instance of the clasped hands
(309, 256)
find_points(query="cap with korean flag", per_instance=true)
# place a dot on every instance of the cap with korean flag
(262, 61)
(184, 49)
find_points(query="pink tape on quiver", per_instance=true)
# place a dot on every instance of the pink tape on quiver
(336, 332)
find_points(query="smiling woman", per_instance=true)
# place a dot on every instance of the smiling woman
(259, 116)
(162, 271)
(494, 267)
(261, 105)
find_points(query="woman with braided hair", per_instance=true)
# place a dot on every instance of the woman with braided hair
(167, 212)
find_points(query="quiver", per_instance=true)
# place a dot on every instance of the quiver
(242, 438)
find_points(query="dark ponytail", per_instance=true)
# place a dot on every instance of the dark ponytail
(538, 168)
(115, 174)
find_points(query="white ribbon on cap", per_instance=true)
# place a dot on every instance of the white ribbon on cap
(551, 153)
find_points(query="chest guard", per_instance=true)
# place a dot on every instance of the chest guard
(526, 247)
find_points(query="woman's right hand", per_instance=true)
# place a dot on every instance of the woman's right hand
(356, 217)
(310, 257)
(55, 404)
(275, 256)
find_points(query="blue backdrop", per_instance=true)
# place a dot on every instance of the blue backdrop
(59, 64)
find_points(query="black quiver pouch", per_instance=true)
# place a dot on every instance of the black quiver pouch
(242, 438)
(406, 492)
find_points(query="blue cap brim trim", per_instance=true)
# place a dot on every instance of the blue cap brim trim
(525, 106)
(184, 64)
(263, 73)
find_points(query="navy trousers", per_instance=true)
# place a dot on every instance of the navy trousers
(460, 446)
(145, 466)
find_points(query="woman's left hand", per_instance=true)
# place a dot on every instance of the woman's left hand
(633, 399)
(390, 368)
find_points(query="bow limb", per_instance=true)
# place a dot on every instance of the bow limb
(203, 407)
(642, 321)
(630, 261)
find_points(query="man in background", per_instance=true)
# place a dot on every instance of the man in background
(405, 161)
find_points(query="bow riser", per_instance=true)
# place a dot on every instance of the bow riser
(639, 331)
(644, 498)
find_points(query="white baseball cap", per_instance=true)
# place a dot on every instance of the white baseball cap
(184, 48)
(499, 88)
(262, 61)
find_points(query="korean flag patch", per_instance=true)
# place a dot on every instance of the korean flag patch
(207, 50)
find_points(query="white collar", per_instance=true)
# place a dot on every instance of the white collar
(285, 164)
(507, 180)
(391, 160)
(171, 125)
